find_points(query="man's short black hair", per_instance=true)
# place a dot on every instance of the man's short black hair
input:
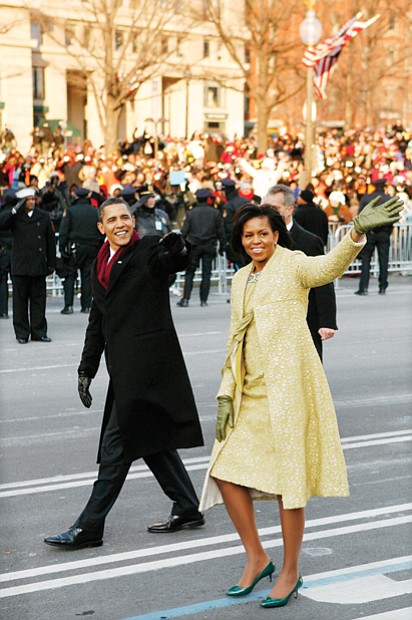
(113, 200)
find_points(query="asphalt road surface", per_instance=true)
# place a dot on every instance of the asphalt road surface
(356, 559)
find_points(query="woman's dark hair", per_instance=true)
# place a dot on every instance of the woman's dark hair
(251, 210)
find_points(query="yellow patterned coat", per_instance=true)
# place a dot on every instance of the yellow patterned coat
(308, 453)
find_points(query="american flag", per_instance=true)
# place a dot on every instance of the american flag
(323, 57)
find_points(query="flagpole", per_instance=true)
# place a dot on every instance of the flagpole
(310, 32)
(308, 129)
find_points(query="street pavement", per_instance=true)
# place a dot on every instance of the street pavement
(356, 558)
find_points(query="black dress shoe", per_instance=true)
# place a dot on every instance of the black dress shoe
(85, 310)
(183, 303)
(203, 303)
(361, 292)
(42, 339)
(4, 315)
(22, 340)
(382, 291)
(67, 310)
(176, 523)
(75, 538)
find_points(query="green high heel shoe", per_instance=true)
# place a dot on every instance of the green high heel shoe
(239, 591)
(281, 602)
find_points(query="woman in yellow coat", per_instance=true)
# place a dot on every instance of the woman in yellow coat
(276, 433)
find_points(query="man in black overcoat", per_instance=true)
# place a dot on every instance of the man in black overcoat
(321, 317)
(379, 238)
(150, 409)
(234, 202)
(33, 257)
(79, 244)
(203, 228)
(310, 216)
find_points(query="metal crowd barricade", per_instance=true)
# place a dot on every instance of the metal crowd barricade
(221, 277)
(400, 251)
(400, 260)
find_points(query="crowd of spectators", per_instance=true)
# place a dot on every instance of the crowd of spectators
(346, 165)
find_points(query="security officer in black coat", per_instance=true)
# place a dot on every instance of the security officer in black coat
(234, 201)
(379, 238)
(9, 200)
(33, 258)
(79, 244)
(150, 220)
(310, 216)
(203, 228)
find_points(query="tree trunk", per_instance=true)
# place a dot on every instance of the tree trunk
(262, 126)
(110, 130)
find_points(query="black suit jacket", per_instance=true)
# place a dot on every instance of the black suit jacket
(132, 323)
(322, 300)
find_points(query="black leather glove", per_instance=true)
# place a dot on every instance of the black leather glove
(174, 242)
(83, 384)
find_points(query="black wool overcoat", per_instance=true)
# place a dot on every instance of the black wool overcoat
(33, 242)
(132, 323)
(322, 299)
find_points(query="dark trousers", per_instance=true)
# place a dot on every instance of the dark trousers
(84, 258)
(4, 293)
(4, 273)
(206, 253)
(167, 467)
(380, 240)
(29, 297)
(317, 341)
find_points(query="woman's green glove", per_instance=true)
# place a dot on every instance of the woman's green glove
(375, 215)
(225, 415)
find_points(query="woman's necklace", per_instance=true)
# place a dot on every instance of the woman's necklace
(254, 276)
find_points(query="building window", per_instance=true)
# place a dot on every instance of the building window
(118, 39)
(391, 21)
(206, 48)
(164, 45)
(86, 36)
(390, 57)
(69, 35)
(38, 83)
(135, 42)
(213, 96)
(36, 33)
(179, 47)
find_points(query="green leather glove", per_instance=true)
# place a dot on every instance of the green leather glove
(375, 215)
(225, 415)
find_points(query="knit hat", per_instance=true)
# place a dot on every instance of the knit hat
(307, 195)
(337, 196)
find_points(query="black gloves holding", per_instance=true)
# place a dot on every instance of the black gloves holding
(83, 384)
(174, 243)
